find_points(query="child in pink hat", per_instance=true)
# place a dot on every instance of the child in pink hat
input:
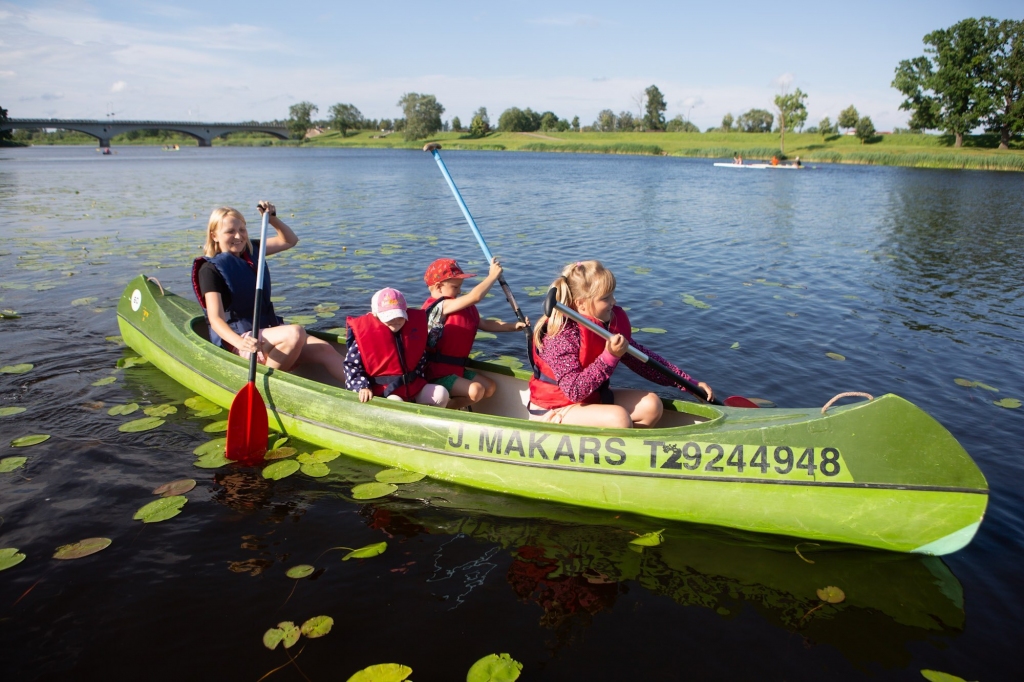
(386, 353)
(452, 323)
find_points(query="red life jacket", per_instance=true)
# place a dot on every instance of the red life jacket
(390, 366)
(544, 389)
(449, 355)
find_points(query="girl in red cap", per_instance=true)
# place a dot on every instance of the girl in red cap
(452, 322)
(573, 365)
(386, 352)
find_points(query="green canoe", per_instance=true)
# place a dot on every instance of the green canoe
(880, 473)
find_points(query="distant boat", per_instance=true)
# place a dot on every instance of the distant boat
(759, 166)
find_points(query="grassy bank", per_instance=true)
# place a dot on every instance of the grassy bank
(919, 151)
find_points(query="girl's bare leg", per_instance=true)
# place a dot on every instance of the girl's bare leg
(468, 391)
(609, 416)
(644, 407)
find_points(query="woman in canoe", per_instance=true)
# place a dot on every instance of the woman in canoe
(573, 365)
(224, 280)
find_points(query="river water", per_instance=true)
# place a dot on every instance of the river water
(913, 276)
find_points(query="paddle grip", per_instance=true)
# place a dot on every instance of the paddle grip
(259, 294)
(550, 304)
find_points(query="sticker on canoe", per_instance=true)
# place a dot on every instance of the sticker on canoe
(136, 300)
(685, 459)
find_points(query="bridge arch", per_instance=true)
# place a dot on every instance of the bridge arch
(103, 131)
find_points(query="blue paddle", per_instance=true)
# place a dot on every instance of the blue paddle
(433, 148)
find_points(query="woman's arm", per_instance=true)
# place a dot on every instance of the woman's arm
(285, 237)
(218, 321)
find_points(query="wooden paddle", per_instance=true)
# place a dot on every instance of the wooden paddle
(551, 304)
(433, 148)
(247, 418)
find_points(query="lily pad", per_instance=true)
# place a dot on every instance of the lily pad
(648, 539)
(82, 548)
(114, 339)
(317, 626)
(689, 299)
(179, 487)
(279, 470)
(508, 361)
(279, 443)
(210, 412)
(399, 476)
(831, 594)
(16, 369)
(652, 330)
(161, 510)
(10, 557)
(735, 345)
(315, 469)
(382, 672)
(937, 676)
(84, 301)
(286, 632)
(216, 427)
(199, 403)
(485, 335)
(371, 491)
(367, 552)
(8, 314)
(123, 409)
(836, 356)
(9, 464)
(211, 446)
(144, 424)
(26, 441)
(105, 381)
(11, 411)
(301, 319)
(211, 460)
(279, 453)
(325, 456)
(300, 571)
(160, 410)
(1009, 403)
(495, 668)
(127, 363)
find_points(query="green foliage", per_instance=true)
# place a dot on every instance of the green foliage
(367, 552)
(82, 548)
(848, 117)
(456, 125)
(576, 124)
(606, 121)
(516, 120)
(280, 469)
(625, 122)
(422, 115)
(5, 135)
(495, 668)
(865, 129)
(10, 557)
(727, 122)
(480, 124)
(654, 118)
(678, 125)
(345, 117)
(161, 509)
(9, 464)
(382, 672)
(28, 441)
(371, 491)
(300, 118)
(792, 113)
(755, 121)
(1005, 79)
(826, 128)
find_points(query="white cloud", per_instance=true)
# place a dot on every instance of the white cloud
(119, 86)
(7, 74)
(784, 81)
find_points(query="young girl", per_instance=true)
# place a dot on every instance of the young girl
(386, 352)
(224, 280)
(573, 365)
(452, 322)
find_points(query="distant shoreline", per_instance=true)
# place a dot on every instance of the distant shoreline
(904, 150)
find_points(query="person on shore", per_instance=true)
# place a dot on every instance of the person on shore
(573, 365)
(387, 352)
(452, 323)
(224, 280)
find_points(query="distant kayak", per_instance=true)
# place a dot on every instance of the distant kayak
(758, 166)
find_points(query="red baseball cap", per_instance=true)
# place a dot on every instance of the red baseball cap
(442, 269)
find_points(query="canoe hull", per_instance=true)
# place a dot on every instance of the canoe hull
(876, 499)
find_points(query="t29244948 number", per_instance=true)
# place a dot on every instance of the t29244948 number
(748, 461)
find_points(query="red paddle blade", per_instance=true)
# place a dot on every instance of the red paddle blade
(247, 426)
(731, 401)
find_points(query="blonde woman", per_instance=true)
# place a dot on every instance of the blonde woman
(573, 365)
(224, 280)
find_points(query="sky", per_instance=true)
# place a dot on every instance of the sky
(239, 61)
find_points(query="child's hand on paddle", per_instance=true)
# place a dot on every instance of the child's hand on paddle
(495, 270)
(617, 345)
(523, 325)
(365, 394)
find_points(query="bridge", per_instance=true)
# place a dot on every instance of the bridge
(104, 130)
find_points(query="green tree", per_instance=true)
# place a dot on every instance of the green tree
(548, 121)
(654, 118)
(563, 125)
(345, 117)
(946, 88)
(826, 128)
(626, 122)
(755, 121)
(792, 113)
(727, 122)
(606, 121)
(456, 125)
(678, 125)
(848, 117)
(865, 129)
(516, 120)
(5, 135)
(422, 115)
(480, 124)
(300, 118)
(576, 124)
(1005, 79)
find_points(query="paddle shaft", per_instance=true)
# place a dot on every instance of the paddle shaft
(259, 295)
(635, 352)
(480, 238)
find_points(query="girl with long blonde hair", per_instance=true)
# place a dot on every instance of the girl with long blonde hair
(573, 365)
(224, 279)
